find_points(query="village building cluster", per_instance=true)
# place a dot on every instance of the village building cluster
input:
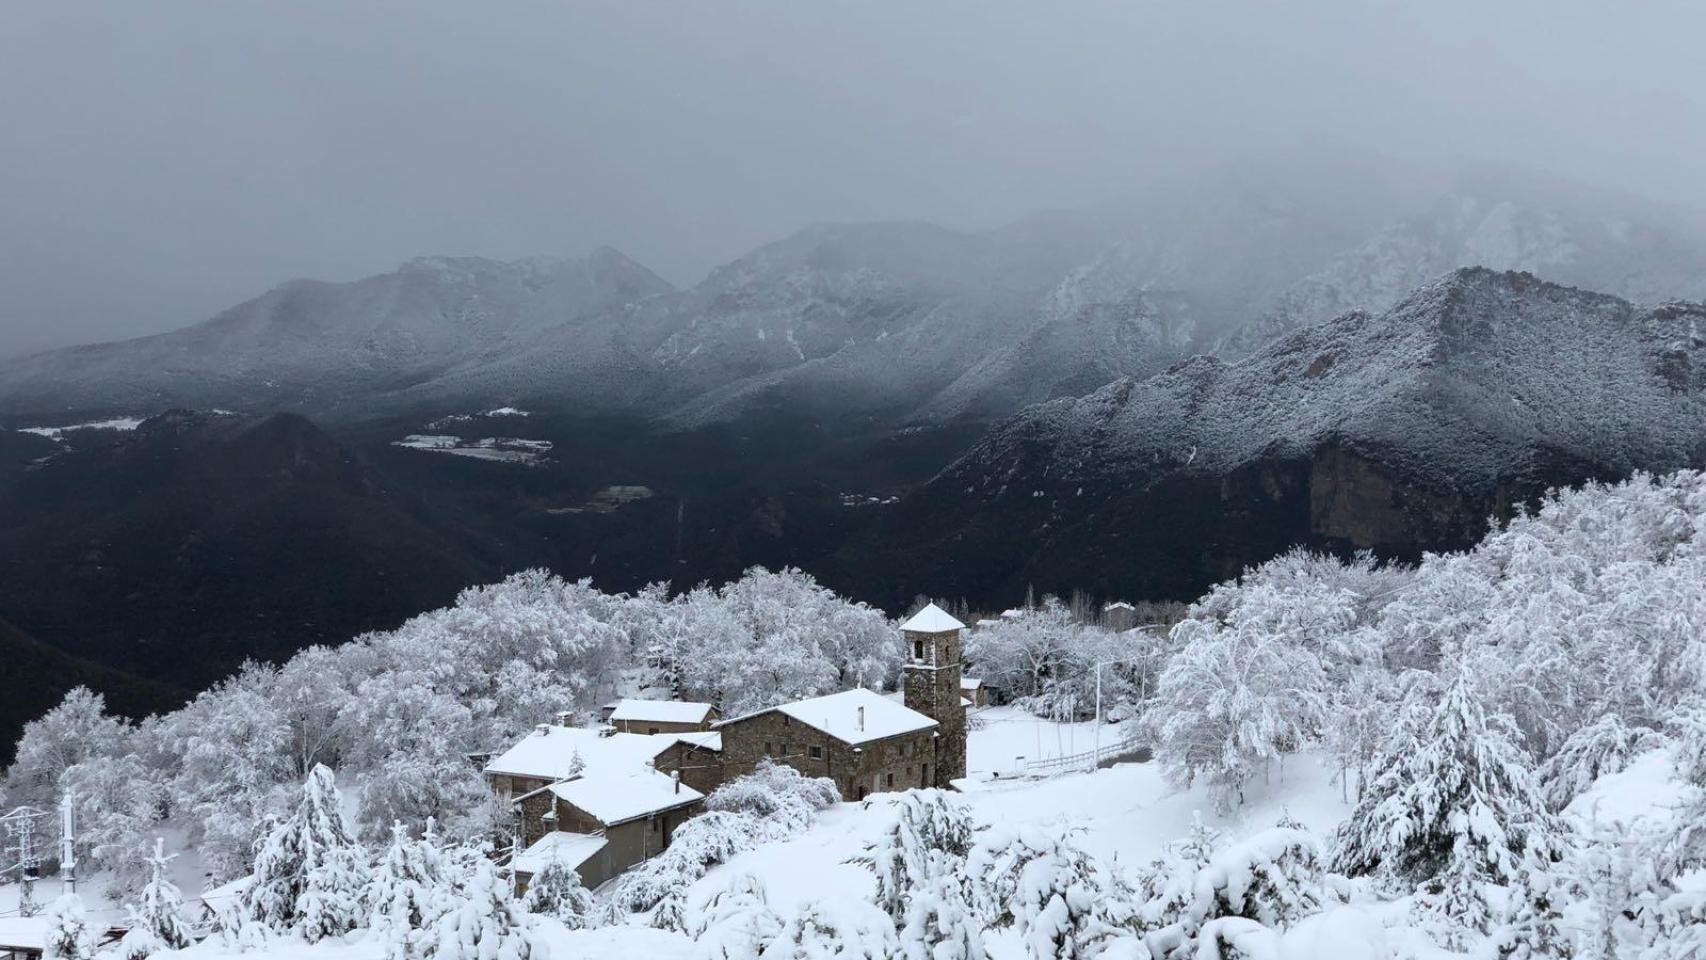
(605, 799)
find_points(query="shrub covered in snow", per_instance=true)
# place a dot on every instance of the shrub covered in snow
(784, 800)
(556, 891)
(733, 923)
(68, 935)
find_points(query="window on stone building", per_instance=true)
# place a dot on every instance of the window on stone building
(817, 753)
(785, 748)
(917, 649)
(924, 776)
(767, 750)
(652, 731)
(888, 780)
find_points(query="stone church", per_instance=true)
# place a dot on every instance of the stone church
(608, 799)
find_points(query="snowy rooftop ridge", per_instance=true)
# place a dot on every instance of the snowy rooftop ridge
(852, 716)
(931, 619)
(620, 797)
(661, 711)
(548, 754)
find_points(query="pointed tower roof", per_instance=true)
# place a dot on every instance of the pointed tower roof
(931, 619)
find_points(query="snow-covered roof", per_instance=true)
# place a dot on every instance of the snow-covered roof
(662, 711)
(549, 755)
(24, 933)
(619, 797)
(570, 849)
(970, 683)
(706, 741)
(1119, 605)
(839, 716)
(931, 619)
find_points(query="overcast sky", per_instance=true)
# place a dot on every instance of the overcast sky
(162, 160)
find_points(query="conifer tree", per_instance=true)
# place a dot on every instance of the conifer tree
(1533, 927)
(309, 872)
(1454, 797)
(157, 922)
(485, 924)
(407, 892)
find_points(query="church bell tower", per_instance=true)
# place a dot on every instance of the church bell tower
(932, 678)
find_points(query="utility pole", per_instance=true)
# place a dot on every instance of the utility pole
(20, 828)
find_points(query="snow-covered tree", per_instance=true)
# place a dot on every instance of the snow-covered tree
(118, 800)
(1060, 901)
(68, 935)
(556, 891)
(484, 924)
(407, 892)
(733, 923)
(309, 872)
(233, 769)
(1455, 790)
(1534, 926)
(77, 730)
(817, 933)
(925, 822)
(781, 799)
(1234, 699)
(157, 920)
(1604, 746)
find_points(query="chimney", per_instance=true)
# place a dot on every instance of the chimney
(542, 730)
(861, 719)
(675, 778)
(565, 718)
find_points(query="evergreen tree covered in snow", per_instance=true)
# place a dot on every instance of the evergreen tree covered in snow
(309, 873)
(1454, 796)
(925, 822)
(1534, 926)
(1604, 746)
(922, 883)
(68, 935)
(1062, 902)
(556, 891)
(157, 920)
(485, 923)
(407, 892)
(735, 922)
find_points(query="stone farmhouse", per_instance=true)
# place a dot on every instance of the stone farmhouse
(663, 716)
(602, 800)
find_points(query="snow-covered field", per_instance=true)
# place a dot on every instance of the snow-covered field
(58, 433)
(500, 449)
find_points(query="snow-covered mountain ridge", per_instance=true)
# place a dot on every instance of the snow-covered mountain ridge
(1460, 382)
(1400, 432)
(895, 323)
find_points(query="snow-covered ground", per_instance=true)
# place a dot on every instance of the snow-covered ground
(1125, 814)
(501, 449)
(58, 433)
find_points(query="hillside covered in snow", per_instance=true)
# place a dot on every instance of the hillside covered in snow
(1398, 431)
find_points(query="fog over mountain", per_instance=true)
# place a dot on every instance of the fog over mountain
(164, 163)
